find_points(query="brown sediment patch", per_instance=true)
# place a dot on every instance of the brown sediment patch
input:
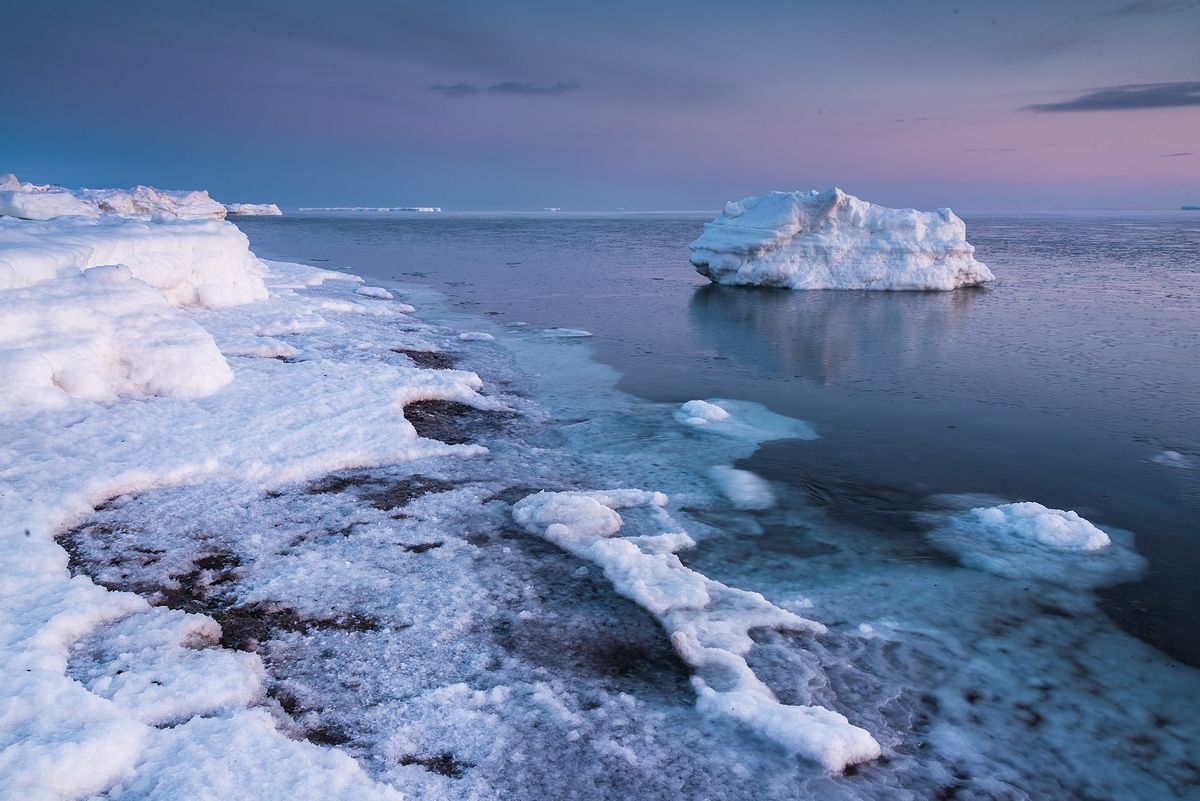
(430, 359)
(450, 421)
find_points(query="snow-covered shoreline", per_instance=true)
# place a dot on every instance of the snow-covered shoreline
(382, 555)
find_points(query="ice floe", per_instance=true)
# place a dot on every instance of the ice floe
(741, 420)
(832, 240)
(1028, 540)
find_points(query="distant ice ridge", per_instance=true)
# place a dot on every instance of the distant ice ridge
(709, 623)
(254, 209)
(29, 201)
(832, 240)
(422, 209)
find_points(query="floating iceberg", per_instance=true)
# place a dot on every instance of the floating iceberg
(254, 209)
(831, 240)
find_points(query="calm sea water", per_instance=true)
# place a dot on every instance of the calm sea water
(1060, 384)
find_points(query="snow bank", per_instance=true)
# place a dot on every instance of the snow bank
(114, 382)
(709, 623)
(193, 263)
(1028, 540)
(831, 240)
(254, 209)
(99, 336)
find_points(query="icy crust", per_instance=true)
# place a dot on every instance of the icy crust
(76, 330)
(193, 263)
(832, 240)
(709, 623)
(254, 209)
(1028, 540)
(100, 336)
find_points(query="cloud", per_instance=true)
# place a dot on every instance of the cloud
(1146, 7)
(1131, 97)
(519, 88)
(1175, 155)
(530, 89)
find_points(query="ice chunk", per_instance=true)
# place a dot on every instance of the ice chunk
(709, 623)
(831, 240)
(374, 292)
(254, 209)
(475, 336)
(1028, 540)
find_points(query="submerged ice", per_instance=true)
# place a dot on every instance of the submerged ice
(832, 240)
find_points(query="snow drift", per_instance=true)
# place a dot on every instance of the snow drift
(832, 240)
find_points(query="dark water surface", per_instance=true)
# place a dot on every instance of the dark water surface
(1058, 384)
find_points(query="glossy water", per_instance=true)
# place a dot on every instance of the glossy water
(1059, 384)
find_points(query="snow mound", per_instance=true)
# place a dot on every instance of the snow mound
(192, 263)
(832, 240)
(708, 622)
(254, 209)
(1028, 540)
(99, 336)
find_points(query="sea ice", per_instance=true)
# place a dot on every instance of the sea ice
(709, 623)
(741, 420)
(832, 240)
(1028, 540)
(745, 489)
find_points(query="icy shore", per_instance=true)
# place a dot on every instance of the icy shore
(832, 240)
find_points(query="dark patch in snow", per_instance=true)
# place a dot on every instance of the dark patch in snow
(450, 421)
(430, 359)
(444, 763)
(382, 492)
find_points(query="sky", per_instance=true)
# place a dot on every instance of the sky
(623, 104)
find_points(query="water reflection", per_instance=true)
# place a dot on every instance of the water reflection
(827, 335)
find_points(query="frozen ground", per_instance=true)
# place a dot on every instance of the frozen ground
(335, 576)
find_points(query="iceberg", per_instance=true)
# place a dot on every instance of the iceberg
(832, 240)
(254, 209)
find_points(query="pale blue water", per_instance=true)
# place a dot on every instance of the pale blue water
(1059, 384)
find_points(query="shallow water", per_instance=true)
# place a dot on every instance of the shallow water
(1059, 384)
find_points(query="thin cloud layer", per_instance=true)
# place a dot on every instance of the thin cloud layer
(519, 88)
(1124, 98)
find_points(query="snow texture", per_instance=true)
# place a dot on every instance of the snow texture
(832, 240)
